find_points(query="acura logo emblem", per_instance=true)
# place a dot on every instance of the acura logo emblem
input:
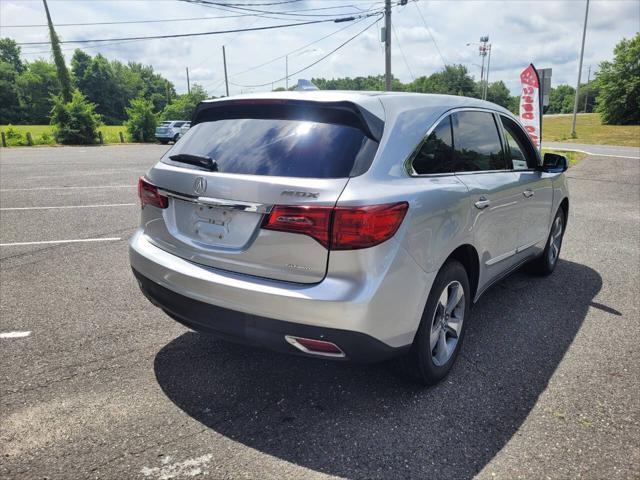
(200, 185)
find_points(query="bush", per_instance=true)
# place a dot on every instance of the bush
(141, 125)
(74, 122)
(14, 137)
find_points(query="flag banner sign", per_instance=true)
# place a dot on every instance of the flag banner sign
(530, 112)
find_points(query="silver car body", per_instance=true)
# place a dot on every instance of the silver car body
(379, 291)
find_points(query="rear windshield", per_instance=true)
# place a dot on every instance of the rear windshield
(279, 147)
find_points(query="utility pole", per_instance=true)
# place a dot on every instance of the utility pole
(387, 45)
(575, 103)
(61, 68)
(586, 94)
(224, 61)
(188, 84)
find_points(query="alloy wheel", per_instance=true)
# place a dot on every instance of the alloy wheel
(555, 240)
(447, 323)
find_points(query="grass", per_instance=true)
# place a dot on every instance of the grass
(590, 130)
(43, 134)
(572, 157)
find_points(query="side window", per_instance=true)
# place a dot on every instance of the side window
(435, 153)
(520, 150)
(178, 124)
(476, 142)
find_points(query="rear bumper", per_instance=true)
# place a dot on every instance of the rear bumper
(260, 331)
(385, 302)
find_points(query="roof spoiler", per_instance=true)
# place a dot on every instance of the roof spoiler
(344, 113)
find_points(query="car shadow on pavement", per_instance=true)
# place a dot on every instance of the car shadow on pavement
(359, 421)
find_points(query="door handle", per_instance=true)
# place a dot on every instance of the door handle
(482, 203)
(528, 193)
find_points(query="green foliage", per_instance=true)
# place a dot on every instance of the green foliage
(452, 80)
(142, 122)
(74, 122)
(514, 105)
(37, 86)
(66, 89)
(14, 137)
(10, 53)
(9, 104)
(561, 99)
(498, 93)
(369, 83)
(619, 83)
(183, 106)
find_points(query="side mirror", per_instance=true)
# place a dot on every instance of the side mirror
(554, 163)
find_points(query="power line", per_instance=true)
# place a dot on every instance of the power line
(430, 34)
(217, 32)
(250, 69)
(220, 5)
(314, 63)
(395, 34)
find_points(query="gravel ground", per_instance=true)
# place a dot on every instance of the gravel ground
(107, 386)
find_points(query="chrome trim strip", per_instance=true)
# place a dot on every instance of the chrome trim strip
(219, 202)
(499, 258)
(510, 253)
(293, 341)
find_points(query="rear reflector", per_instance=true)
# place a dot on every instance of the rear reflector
(319, 347)
(149, 195)
(340, 228)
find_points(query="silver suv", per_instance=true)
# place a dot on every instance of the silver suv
(345, 225)
(169, 131)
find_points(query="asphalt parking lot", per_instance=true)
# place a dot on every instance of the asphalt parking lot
(106, 386)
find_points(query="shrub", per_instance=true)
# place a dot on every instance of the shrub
(74, 122)
(141, 125)
(14, 137)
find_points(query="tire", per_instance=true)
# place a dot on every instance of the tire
(163, 141)
(430, 359)
(176, 137)
(546, 263)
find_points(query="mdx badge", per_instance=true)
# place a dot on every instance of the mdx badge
(200, 185)
(295, 193)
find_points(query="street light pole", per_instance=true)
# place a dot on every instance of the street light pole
(486, 83)
(575, 103)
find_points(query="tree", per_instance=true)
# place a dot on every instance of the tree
(80, 63)
(619, 84)
(74, 122)
(98, 84)
(561, 99)
(9, 103)
(10, 53)
(183, 106)
(452, 80)
(37, 86)
(58, 58)
(498, 93)
(142, 122)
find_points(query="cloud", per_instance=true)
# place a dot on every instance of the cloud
(547, 33)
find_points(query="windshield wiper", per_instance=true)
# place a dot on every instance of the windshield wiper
(197, 160)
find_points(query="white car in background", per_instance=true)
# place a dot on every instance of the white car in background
(169, 130)
(184, 128)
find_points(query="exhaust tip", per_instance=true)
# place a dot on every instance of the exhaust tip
(315, 347)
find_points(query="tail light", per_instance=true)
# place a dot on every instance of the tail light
(340, 228)
(149, 195)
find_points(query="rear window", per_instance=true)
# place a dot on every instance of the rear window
(279, 147)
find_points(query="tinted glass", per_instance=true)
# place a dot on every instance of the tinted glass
(178, 124)
(278, 147)
(520, 148)
(435, 154)
(476, 142)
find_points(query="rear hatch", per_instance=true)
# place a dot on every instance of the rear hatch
(163, 129)
(237, 162)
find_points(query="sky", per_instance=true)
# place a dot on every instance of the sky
(427, 34)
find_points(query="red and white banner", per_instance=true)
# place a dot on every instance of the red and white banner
(530, 114)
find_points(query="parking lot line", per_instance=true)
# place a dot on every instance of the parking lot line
(77, 240)
(14, 334)
(70, 206)
(64, 188)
